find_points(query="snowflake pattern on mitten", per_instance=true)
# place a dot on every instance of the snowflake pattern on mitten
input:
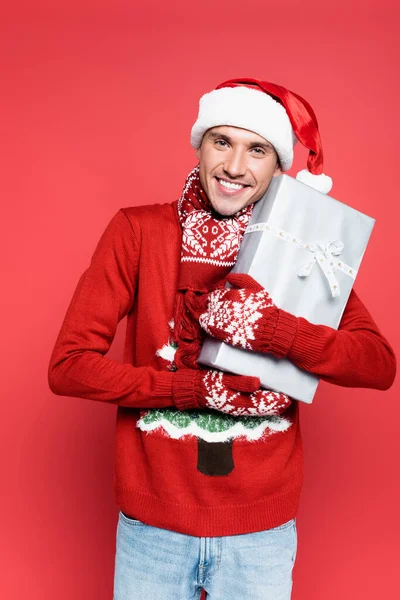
(226, 400)
(233, 316)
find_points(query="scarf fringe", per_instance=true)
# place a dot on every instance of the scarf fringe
(188, 332)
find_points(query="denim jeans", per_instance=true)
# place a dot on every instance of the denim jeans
(157, 564)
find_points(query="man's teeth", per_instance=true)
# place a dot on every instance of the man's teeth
(231, 186)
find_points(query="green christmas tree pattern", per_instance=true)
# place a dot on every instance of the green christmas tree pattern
(215, 431)
(210, 426)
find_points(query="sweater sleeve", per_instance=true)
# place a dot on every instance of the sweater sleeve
(104, 295)
(354, 355)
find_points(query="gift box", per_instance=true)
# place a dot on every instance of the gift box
(305, 249)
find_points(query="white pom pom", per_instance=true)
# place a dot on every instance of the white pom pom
(322, 182)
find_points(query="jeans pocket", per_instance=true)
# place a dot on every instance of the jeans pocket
(130, 520)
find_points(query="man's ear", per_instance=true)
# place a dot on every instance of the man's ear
(198, 152)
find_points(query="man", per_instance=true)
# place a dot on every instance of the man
(208, 467)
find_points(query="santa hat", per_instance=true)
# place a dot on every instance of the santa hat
(277, 114)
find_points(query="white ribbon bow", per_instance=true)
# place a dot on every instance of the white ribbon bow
(323, 254)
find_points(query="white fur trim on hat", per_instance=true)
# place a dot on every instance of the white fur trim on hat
(322, 183)
(249, 109)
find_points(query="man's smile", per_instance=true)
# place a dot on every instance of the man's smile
(230, 187)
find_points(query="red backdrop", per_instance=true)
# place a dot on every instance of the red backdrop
(97, 102)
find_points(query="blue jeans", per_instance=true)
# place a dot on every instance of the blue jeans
(157, 564)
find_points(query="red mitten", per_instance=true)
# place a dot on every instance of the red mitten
(231, 394)
(247, 317)
(218, 392)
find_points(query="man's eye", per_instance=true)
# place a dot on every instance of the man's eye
(221, 142)
(258, 150)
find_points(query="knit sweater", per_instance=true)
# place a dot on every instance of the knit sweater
(197, 472)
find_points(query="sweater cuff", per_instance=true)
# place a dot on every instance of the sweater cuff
(284, 334)
(184, 389)
(308, 344)
(277, 332)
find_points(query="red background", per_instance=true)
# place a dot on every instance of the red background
(97, 102)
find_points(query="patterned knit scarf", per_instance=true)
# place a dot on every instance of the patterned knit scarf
(210, 245)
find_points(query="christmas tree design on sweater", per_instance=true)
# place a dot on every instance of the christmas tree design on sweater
(215, 431)
(210, 426)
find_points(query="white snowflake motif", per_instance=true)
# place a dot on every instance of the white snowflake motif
(226, 244)
(237, 319)
(219, 396)
(207, 240)
(259, 404)
(195, 227)
(267, 403)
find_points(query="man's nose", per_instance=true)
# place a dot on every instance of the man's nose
(235, 163)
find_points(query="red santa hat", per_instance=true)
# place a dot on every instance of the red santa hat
(272, 111)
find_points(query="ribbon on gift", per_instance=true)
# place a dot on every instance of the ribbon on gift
(323, 252)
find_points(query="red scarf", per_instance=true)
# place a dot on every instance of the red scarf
(210, 245)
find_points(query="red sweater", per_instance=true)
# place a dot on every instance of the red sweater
(196, 472)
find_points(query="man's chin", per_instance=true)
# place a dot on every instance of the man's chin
(227, 208)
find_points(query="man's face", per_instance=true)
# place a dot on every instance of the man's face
(236, 167)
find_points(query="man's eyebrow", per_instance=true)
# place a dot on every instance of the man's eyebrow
(215, 134)
(266, 145)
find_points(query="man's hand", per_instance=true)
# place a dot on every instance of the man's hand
(237, 395)
(247, 317)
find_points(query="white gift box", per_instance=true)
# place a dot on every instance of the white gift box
(305, 249)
